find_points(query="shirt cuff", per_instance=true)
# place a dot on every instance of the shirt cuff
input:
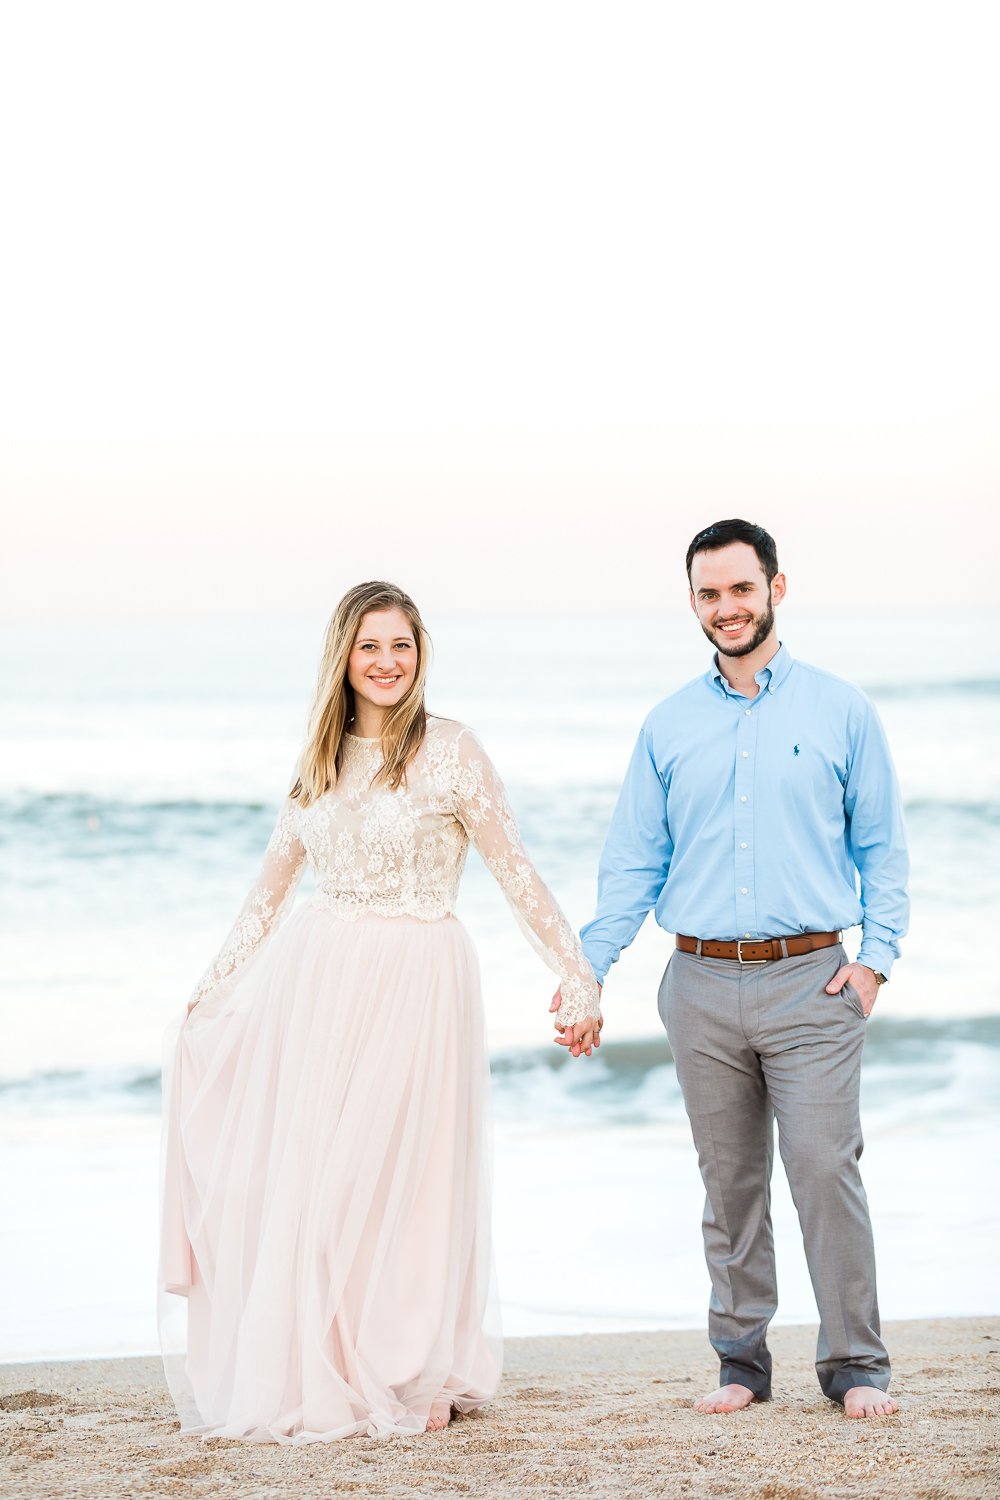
(876, 955)
(600, 957)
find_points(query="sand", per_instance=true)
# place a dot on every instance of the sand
(604, 1415)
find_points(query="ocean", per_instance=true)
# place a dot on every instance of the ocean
(140, 767)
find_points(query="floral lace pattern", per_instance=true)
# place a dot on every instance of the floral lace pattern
(268, 902)
(401, 853)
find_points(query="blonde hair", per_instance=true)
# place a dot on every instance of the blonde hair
(405, 724)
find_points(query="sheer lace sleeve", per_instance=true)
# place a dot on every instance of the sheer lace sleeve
(486, 815)
(267, 903)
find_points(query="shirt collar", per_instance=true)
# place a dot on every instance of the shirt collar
(769, 678)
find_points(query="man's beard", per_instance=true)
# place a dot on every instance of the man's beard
(761, 630)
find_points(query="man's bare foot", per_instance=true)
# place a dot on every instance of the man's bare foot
(867, 1401)
(726, 1398)
(439, 1416)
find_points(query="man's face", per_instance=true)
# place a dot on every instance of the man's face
(731, 597)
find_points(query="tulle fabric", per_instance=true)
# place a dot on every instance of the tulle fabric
(326, 1265)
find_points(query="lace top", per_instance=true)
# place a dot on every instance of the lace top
(401, 853)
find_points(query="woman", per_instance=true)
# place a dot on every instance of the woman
(326, 1187)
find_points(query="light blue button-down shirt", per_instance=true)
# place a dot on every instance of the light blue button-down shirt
(757, 817)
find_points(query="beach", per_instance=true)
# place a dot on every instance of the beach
(129, 858)
(127, 863)
(598, 1415)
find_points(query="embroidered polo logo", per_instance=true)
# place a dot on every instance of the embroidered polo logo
(795, 749)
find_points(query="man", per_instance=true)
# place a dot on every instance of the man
(759, 800)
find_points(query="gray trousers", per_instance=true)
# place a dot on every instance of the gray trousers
(752, 1044)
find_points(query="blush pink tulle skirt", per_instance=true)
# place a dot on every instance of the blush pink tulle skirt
(326, 1266)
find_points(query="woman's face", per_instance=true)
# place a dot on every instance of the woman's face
(383, 660)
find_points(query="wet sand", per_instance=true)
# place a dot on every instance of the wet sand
(599, 1416)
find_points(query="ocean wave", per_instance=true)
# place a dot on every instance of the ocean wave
(970, 687)
(26, 806)
(983, 810)
(135, 1089)
(76, 812)
(907, 1062)
(81, 824)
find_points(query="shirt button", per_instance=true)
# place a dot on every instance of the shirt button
(746, 755)
(744, 891)
(746, 934)
(747, 712)
(744, 797)
(743, 846)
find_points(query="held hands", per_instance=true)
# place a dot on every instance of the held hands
(584, 1036)
(862, 981)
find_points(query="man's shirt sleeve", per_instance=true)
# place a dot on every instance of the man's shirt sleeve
(634, 862)
(877, 839)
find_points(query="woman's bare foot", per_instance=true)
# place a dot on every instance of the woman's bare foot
(867, 1401)
(439, 1416)
(726, 1398)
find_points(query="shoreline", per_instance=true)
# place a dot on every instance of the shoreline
(604, 1414)
(55, 1362)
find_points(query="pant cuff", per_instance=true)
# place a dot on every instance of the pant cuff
(754, 1380)
(836, 1383)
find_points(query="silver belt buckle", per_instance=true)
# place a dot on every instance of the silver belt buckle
(748, 962)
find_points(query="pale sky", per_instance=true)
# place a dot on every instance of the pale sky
(503, 302)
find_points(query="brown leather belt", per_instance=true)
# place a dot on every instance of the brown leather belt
(758, 950)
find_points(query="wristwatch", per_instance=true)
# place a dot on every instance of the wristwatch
(879, 978)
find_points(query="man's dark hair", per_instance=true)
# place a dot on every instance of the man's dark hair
(724, 532)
